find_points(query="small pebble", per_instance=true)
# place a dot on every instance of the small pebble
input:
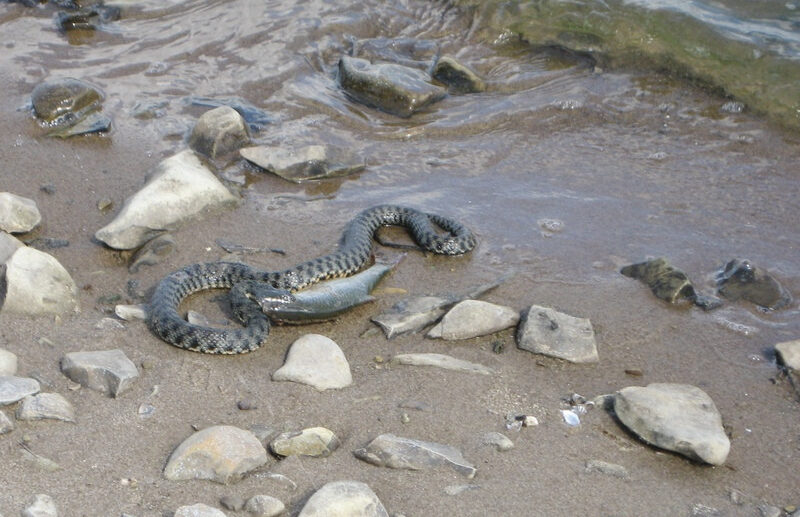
(264, 506)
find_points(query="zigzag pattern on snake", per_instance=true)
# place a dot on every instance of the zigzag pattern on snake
(353, 253)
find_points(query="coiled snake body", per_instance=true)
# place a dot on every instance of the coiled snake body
(354, 252)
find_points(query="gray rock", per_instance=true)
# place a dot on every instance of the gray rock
(473, 318)
(301, 164)
(107, 371)
(314, 441)
(264, 506)
(178, 188)
(6, 425)
(198, 510)
(131, 312)
(109, 324)
(18, 214)
(37, 284)
(459, 489)
(232, 502)
(317, 361)
(412, 314)
(8, 363)
(549, 332)
(396, 89)
(42, 505)
(788, 351)
(741, 280)
(610, 469)
(417, 312)
(396, 452)
(220, 453)
(46, 406)
(767, 510)
(153, 252)
(218, 132)
(458, 77)
(441, 361)
(676, 417)
(8, 245)
(344, 499)
(499, 441)
(14, 389)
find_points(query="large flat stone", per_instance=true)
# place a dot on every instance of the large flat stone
(549, 332)
(107, 371)
(676, 417)
(220, 453)
(180, 187)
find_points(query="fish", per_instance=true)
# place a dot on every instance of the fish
(327, 300)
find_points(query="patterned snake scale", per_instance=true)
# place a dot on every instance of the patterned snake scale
(353, 253)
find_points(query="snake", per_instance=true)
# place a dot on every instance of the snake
(353, 253)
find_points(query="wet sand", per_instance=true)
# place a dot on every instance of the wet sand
(547, 142)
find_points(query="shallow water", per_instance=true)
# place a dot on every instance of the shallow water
(633, 163)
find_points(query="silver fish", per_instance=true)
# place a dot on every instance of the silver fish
(326, 300)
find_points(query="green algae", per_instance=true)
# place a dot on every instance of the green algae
(619, 35)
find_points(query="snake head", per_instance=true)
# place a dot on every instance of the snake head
(271, 299)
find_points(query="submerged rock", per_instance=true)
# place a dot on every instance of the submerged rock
(18, 214)
(91, 17)
(305, 163)
(344, 499)
(220, 453)
(742, 280)
(65, 101)
(441, 361)
(178, 188)
(473, 318)
(395, 89)
(676, 417)
(255, 117)
(388, 450)
(411, 52)
(37, 284)
(549, 332)
(314, 441)
(458, 77)
(69, 106)
(219, 132)
(107, 371)
(317, 361)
